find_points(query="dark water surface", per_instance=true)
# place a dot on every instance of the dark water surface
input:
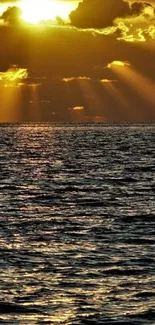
(77, 224)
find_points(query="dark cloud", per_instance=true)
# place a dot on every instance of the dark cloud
(101, 14)
(12, 15)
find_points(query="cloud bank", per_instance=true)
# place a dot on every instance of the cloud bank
(101, 14)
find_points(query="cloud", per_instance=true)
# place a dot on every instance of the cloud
(130, 21)
(75, 78)
(118, 63)
(70, 79)
(78, 108)
(101, 14)
(12, 15)
(13, 76)
(139, 27)
(107, 81)
(150, 31)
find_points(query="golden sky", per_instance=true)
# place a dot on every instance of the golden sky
(71, 60)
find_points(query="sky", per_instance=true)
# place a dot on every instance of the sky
(77, 61)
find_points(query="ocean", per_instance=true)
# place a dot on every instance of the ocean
(77, 224)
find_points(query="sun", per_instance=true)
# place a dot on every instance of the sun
(35, 11)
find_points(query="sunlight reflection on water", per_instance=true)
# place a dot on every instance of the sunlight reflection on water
(77, 224)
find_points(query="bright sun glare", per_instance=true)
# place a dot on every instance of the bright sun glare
(34, 11)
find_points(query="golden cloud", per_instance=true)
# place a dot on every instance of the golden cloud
(118, 63)
(137, 28)
(107, 81)
(75, 78)
(13, 76)
(78, 108)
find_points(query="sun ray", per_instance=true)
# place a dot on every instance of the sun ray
(34, 102)
(119, 97)
(10, 100)
(137, 81)
(143, 86)
(92, 99)
(11, 94)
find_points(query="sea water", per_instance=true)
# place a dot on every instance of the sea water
(77, 224)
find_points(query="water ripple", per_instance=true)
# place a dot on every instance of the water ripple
(77, 220)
